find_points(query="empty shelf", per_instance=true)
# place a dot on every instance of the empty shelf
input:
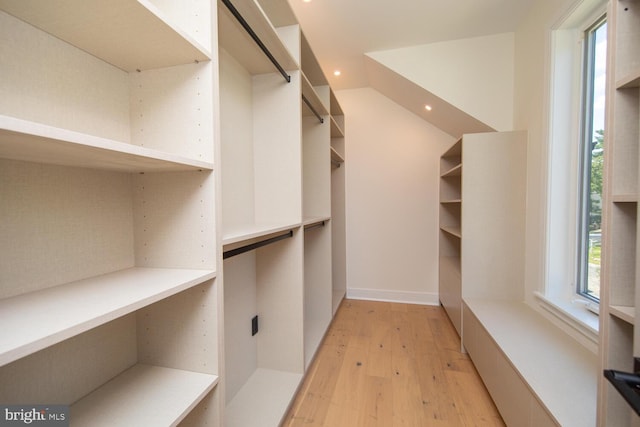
(143, 395)
(36, 320)
(129, 34)
(35, 142)
(268, 394)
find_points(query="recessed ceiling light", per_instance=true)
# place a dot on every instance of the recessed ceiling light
(307, 1)
(337, 73)
(427, 107)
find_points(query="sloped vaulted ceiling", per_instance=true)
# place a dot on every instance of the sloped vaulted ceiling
(354, 35)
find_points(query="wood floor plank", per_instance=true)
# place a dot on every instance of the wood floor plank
(378, 406)
(392, 365)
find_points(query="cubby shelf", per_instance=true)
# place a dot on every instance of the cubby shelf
(630, 81)
(624, 198)
(35, 142)
(129, 34)
(42, 318)
(454, 171)
(335, 156)
(454, 231)
(336, 130)
(143, 395)
(310, 94)
(624, 313)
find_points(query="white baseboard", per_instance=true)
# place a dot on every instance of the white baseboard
(407, 297)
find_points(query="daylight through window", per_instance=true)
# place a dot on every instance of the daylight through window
(593, 146)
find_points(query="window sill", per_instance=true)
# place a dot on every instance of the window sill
(575, 315)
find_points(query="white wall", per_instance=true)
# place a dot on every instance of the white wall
(392, 168)
(532, 74)
(475, 74)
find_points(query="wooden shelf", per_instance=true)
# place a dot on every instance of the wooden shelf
(452, 201)
(631, 80)
(35, 142)
(235, 40)
(335, 156)
(268, 393)
(129, 34)
(624, 198)
(312, 96)
(336, 130)
(254, 231)
(454, 171)
(143, 395)
(628, 314)
(36, 320)
(311, 221)
(455, 231)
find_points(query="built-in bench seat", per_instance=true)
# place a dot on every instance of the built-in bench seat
(536, 374)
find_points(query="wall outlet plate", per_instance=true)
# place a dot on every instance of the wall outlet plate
(254, 325)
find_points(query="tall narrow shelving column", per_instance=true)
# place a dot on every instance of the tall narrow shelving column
(261, 203)
(619, 338)
(482, 211)
(316, 197)
(108, 192)
(338, 202)
(450, 282)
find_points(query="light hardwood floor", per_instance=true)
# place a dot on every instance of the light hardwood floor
(387, 364)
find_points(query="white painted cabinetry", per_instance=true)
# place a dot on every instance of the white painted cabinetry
(148, 149)
(109, 295)
(619, 338)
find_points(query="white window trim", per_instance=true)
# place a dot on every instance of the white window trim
(559, 296)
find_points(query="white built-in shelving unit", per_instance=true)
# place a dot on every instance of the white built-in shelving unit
(338, 201)
(277, 215)
(450, 218)
(619, 338)
(108, 282)
(162, 184)
(261, 199)
(519, 353)
(482, 200)
(316, 208)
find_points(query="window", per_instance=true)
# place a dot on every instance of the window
(574, 157)
(591, 161)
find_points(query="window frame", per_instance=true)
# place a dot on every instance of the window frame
(585, 157)
(557, 295)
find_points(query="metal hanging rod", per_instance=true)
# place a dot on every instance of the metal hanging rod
(255, 38)
(316, 225)
(233, 252)
(313, 110)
